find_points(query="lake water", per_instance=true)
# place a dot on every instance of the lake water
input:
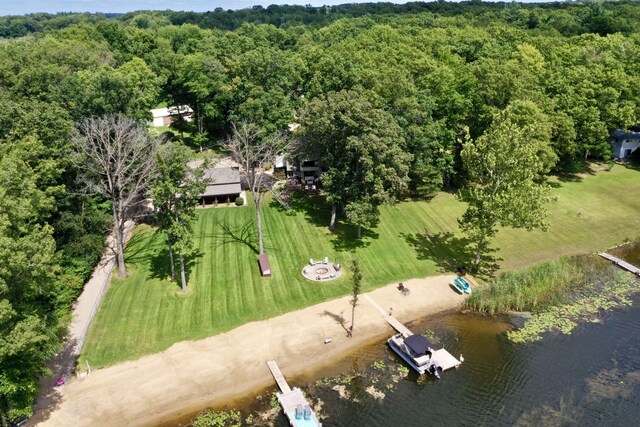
(588, 378)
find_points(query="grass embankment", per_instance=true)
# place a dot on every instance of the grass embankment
(146, 313)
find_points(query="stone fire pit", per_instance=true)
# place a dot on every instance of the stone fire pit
(321, 272)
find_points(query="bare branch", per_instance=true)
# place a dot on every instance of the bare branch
(254, 150)
(116, 159)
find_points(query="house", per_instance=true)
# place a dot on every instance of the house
(308, 171)
(164, 116)
(624, 143)
(223, 184)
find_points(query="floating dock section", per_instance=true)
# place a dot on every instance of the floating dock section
(293, 402)
(620, 263)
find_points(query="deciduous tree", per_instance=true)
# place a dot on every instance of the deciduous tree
(175, 196)
(505, 167)
(361, 148)
(355, 290)
(254, 151)
(117, 159)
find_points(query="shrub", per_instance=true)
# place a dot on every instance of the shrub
(239, 201)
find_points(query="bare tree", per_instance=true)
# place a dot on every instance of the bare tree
(254, 150)
(116, 157)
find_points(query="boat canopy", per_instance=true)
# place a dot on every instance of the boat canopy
(417, 344)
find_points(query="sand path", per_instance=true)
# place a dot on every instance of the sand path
(195, 374)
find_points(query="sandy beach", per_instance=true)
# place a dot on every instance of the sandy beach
(196, 374)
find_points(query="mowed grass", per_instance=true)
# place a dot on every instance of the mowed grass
(146, 313)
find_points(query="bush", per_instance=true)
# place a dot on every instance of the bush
(239, 201)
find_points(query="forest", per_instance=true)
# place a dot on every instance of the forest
(413, 84)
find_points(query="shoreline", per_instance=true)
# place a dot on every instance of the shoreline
(193, 375)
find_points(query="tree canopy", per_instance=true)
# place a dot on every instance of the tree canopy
(394, 100)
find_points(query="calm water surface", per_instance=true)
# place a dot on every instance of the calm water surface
(588, 378)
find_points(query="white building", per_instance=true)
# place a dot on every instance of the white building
(164, 116)
(624, 143)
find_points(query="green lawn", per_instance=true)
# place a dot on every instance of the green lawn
(146, 313)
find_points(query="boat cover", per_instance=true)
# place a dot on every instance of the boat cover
(418, 344)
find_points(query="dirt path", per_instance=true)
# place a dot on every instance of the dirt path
(194, 374)
(83, 312)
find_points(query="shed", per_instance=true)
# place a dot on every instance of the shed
(265, 266)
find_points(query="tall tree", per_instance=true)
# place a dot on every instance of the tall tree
(175, 196)
(505, 168)
(360, 146)
(29, 326)
(355, 290)
(254, 151)
(116, 157)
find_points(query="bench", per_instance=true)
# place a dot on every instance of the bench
(265, 266)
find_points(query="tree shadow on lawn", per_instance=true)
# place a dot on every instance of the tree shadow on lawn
(449, 252)
(316, 210)
(345, 237)
(156, 258)
(314, 207)
(246, 234)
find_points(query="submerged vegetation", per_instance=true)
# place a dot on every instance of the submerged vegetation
(564, 318)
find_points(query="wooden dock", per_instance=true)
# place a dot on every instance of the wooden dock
(617, 261)
(290, 400)
(445, 359)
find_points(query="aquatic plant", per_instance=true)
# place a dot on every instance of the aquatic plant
(217, 419)
(541, 286)
(564, 318)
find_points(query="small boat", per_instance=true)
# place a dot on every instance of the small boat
(462, 285)
(416, 351)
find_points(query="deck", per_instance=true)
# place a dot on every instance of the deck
(291, 399)
(617, 261)
(445, 359)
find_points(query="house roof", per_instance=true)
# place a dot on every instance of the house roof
(221, 182)
(219, 176)
(222, 190)
(619, 134)
(164, 112)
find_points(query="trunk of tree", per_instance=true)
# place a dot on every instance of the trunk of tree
(359, 231)
(353, 317)
(476, 261)
(259, 221)
(183, 276)
(171, 261)
(480, 247)
(118, 226)
(332, 225)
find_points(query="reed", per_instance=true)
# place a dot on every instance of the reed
(540, 286)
